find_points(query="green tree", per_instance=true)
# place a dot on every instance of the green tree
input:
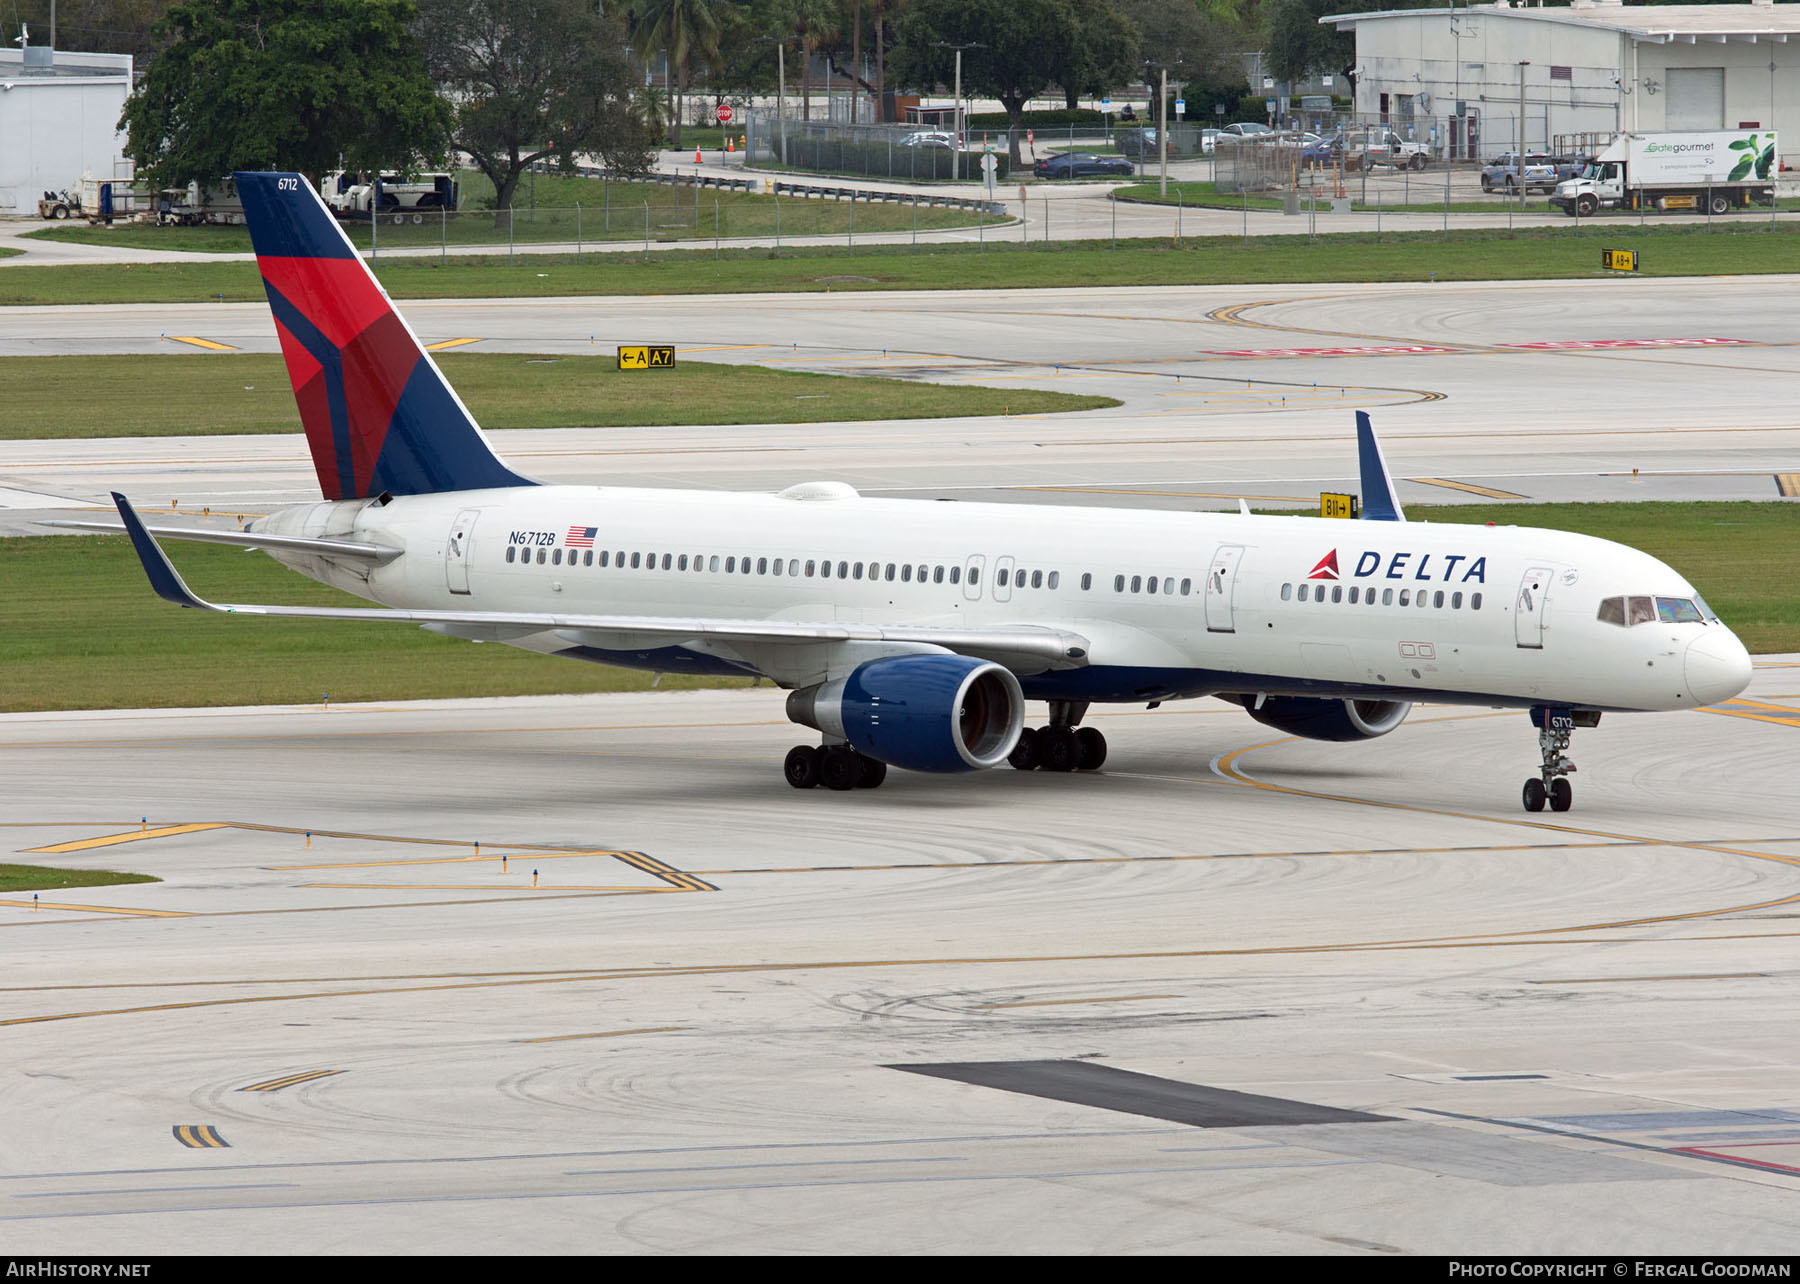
(1104, 53)
(811, 24)
(683, 31)
(283, 84)
(532, 80)
(1016, 49)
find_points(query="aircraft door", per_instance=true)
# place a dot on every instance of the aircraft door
(456, 552)
(1221, 584)
(1003, 573)
(1531, 608)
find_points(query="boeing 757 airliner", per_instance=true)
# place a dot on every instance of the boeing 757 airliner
(913, 634)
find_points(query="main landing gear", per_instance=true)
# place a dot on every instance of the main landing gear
(834, 766)
(1064, 745)
(1555, 729)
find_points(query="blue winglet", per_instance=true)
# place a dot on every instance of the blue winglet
(163, 576)
(1378, 501)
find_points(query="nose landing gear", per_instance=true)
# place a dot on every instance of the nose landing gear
(1556, 727)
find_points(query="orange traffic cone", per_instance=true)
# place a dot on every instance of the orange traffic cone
(697, 153)
(728, 146)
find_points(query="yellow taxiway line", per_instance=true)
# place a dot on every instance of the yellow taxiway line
(136, 835)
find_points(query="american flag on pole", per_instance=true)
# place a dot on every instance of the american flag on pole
(582, 536)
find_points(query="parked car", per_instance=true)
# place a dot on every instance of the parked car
(1323, 153)
(1142, 142)
(1078, 164)
(1209, 141)
(930, 138)
(1542, 172)
(1245, 129)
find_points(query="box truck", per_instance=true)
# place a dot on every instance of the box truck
(1715, 170)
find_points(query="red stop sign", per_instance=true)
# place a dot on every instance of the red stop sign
(724, 114)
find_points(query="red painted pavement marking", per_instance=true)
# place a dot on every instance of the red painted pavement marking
(1740, 1159)
(1565, 344)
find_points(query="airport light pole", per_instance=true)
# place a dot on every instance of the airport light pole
(957, 139)
(780, 90)
(1519, 151)
(1162, 118)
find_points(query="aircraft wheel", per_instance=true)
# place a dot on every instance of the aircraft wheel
(1092, 749)
(873, 772)
(1562, 795)
(841, 768)
(1025, 754)
(802, 767)
(1534, 794)
(1059, 748)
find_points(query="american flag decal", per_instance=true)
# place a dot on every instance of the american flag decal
(582, 536)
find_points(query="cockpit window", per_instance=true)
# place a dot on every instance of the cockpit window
(1706, 612)
(1627, 611)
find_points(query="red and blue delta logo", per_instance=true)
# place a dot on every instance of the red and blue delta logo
(1445, 568)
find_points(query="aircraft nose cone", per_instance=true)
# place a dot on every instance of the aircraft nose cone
(1718, 666)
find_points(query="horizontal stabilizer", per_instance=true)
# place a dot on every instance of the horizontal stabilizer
(1379, 504)
(377, 553)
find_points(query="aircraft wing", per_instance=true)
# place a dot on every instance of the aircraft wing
(1057, 647)
(377, 553)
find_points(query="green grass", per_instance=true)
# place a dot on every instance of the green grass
(1732, 247)
(38, 878)
(7, 251)
(157, 396)
(84, 631)
(609, 211)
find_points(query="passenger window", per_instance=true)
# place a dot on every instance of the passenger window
(762, 566)
(794, 566)
(1642, 610)
(1404, 594)
(1087, 581)
(713, 563)
(1387, 597)
(668, 560)
(743, 566)
(825, 569)
(1054, 577)
(1037, 579)
(1118, 583)
(682, 564)
(605, 557)
(1136, 582)
(587, 558)
(856, 571)
(1151, 586)
(1187, 586)
(937, 576)
(1003, 574)
(1456, 601)
(843, 570)
(730, 565)
(1475, 601)
(891, 568)
(556, 557)
(511, 553)
(1354, 591)
(1303, 592)
(1439, 602)
(809, 568)
(1287, 591)
(1337, 592)
(906, 573)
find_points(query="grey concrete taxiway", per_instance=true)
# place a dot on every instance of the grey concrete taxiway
(583, 975)
(1546, 391)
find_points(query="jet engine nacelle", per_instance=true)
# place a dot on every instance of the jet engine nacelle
(941, 713)
(1321, 719)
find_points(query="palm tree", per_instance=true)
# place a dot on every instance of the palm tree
(812, 23)
(679, 29)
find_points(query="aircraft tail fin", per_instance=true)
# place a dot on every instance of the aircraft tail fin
(378, 413)
(1379, 503)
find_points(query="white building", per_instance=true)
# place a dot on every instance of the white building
(1596, 68)
(59, 118)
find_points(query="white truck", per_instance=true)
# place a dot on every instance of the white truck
(351, 196)
(1714, 170)
(1373, 147)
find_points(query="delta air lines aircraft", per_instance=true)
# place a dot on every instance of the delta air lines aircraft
(912, 633)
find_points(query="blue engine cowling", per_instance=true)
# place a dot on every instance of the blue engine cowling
(1321, 719)
(942, 713)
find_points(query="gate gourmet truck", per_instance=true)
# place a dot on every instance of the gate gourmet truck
(1715, 170)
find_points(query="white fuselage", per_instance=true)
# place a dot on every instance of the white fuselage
(1412, 610)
